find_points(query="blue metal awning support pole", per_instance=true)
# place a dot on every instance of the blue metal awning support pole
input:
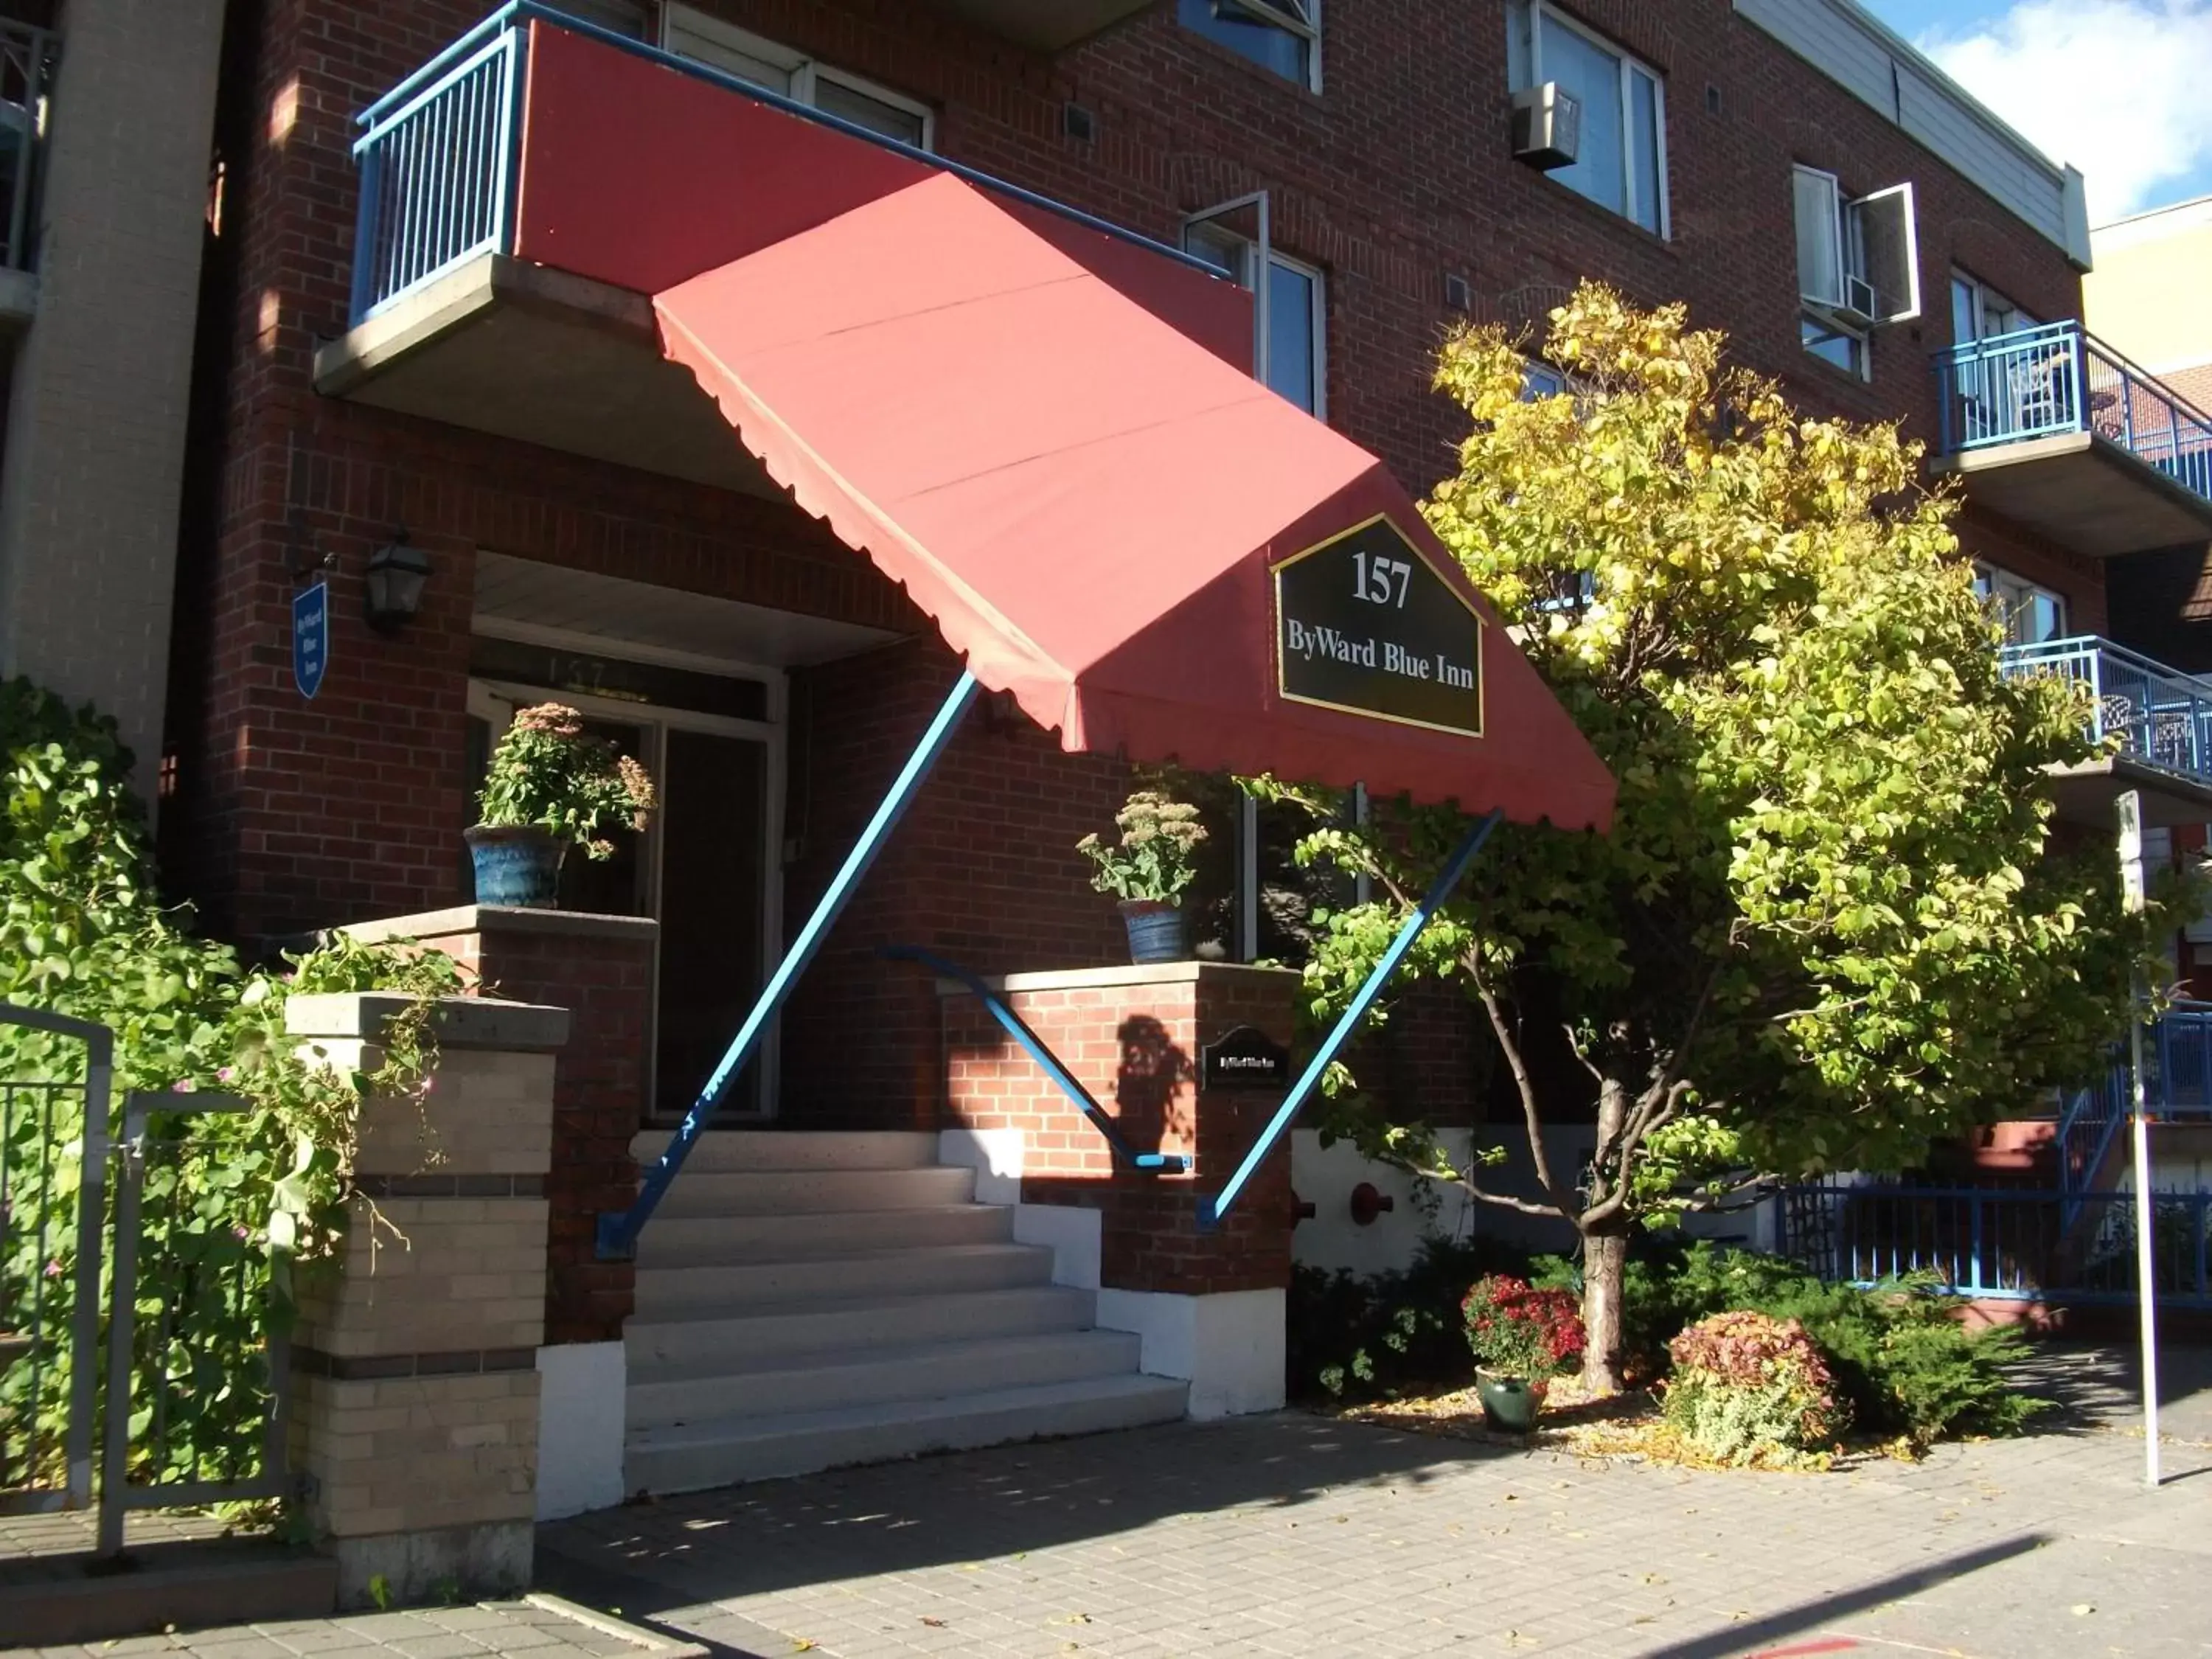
(618, 1229)
(1211, 1210)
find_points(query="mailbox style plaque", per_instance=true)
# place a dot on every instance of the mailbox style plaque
(1244, 1058)
(1363, 624)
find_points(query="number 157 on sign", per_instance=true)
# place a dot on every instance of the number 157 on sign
(1380, 581)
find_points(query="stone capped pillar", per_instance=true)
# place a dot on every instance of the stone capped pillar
(1209, 1305)
(601, 968)
(415, 1413)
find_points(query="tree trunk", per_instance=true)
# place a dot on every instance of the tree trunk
(1605, 1272)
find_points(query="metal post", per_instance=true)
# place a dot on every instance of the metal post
(122, 1319)
(1211, 1210)
(91, 1225)
(618, 1229)
(2131, 885)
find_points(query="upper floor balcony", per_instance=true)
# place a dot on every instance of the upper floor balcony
(2056, 430)
(527, 192)
(2156, 723)
(27, 66)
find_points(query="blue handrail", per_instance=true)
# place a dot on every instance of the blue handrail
(2058, 377)
(1050, 1063)
(2155, 714)
(437, 152)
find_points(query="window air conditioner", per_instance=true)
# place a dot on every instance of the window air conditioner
(1860, 299)
(1548, 123)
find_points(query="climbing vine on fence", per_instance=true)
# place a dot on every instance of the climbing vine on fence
(231, 1197)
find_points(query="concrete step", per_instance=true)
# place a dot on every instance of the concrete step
(698, 1192)
(828, 1327)
(935, 1371)
(737, 1150)
(947, 1269)
(709, 1241)
(188, 1584)
(723, 1451)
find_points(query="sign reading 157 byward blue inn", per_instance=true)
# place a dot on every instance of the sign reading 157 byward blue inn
(1363, 624)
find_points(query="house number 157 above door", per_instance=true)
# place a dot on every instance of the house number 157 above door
(1363, 624)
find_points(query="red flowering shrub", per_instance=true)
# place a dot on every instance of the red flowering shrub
(1748, 1388)
(1519, 1331)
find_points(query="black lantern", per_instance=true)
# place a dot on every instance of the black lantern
(392, 590)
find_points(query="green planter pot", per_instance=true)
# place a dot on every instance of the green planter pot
(1510, 1403)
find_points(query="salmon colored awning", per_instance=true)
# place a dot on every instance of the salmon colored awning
(1091, 505)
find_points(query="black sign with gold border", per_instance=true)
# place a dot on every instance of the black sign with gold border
(1366, 625)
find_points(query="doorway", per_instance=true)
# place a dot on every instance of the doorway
(707, 868)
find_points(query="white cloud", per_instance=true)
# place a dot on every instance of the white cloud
(2121, 88)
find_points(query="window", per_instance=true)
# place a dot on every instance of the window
(1858, 265)
(1540, 380)
(794, 76)
(2030, 615)
(1283, 35)
(1290, 356)
(1620, 162)
(1979, 312)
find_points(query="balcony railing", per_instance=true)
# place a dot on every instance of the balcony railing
(2177, 1086)
(26, 67)
(440, 156)
(2160, 716)
(2057, 377)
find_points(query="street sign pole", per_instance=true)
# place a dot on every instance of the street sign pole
(2131, 887)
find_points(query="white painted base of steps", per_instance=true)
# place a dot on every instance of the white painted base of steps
(1229, 1348)
(581, 1390)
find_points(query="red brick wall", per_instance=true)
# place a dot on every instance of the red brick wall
(1136, 1047)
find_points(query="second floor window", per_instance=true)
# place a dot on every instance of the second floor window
(794, 76)
(1979, 312)
(1620, 160)
(1283, 35)
(1293, 358)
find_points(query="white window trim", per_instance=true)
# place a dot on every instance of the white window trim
(1285, 18)
(1204, 222)
(1847, 230)
(805, 72)
(1983, 293)
(1834, 325)
(1631, 65)
(1995, 578)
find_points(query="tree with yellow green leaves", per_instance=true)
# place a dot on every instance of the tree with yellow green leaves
(1829, 926)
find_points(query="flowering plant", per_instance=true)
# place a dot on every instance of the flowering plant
(1156, 856)
(547, 774)
(1519, 1331)
(1749, 1388)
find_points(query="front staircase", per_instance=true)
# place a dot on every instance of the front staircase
(808, 1300)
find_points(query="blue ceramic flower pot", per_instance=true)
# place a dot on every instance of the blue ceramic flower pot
(517, 865)
(1156, 931)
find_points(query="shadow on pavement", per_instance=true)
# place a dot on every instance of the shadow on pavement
(2100, 1387)
(781, 1535)
(1744, 1640)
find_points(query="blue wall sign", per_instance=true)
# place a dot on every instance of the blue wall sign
(311, 637)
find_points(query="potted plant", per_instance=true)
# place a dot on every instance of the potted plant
(549, 786)
(1149, 869)
(1520, 1337)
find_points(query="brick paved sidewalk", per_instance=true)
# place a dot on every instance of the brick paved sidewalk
(542, 1626)
(1293, 1535)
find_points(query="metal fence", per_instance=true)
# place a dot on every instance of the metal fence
(2160, 715)
(1999, 1244)
(2058, 377)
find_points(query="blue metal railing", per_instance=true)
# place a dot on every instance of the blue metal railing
(2059, 378)
(2001, 1243)
(1050, 1063)
(2177, 1084)
(2158, 715)
(439, 157)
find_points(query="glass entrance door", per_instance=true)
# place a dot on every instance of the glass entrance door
(705, 869)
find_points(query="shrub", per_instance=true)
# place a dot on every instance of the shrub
(1519, 1331)
(1750, 1388)
(549, 774)
(1376, 1336)
(1900, 1357)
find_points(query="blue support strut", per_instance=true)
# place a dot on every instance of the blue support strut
(618, 1229)
(1211, 1210)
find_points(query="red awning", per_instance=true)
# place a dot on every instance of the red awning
(1089, 503)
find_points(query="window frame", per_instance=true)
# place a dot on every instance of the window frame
(1279, 14)
(805, 72)
(1203, 225)
(1982, 293)
(1991, 582)
(1861, 364)
(1530, 14)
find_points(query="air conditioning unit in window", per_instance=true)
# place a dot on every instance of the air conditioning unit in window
(1548, 126)
(1861, 302)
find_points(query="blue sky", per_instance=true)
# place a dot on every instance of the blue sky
(2122, 88)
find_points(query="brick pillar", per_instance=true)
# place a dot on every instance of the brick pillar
(415, 1360)
(1209, 1305)
(600, 968)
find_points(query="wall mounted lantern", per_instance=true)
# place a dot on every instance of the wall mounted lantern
(392, 590)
